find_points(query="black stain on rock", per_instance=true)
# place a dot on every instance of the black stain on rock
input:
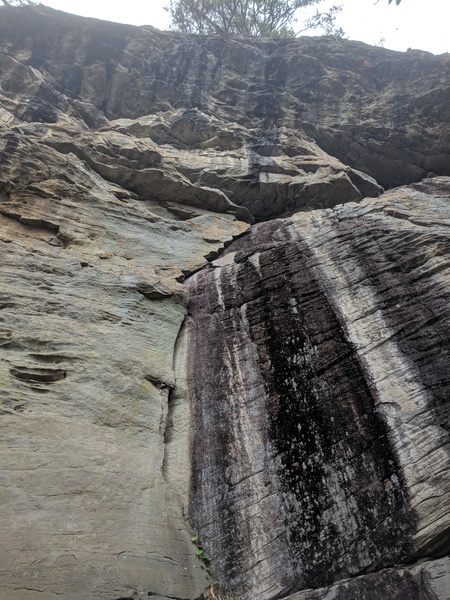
(339, 482)
(414, 307)
(401, 585)
(45, 105)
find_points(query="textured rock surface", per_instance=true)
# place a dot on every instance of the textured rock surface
(381, 112)
(91, 312)
(329, 393)
(427, 581)
(297, 418)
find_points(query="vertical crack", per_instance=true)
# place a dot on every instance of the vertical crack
(168, 434)
(176, 432)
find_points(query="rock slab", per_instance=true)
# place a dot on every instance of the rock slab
(321, 419)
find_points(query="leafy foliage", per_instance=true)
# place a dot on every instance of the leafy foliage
(266, 18)
(18, 2)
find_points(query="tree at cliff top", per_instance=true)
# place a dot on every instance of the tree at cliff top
(265, 18)
(18, 2)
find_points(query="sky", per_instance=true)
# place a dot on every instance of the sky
(417, 24)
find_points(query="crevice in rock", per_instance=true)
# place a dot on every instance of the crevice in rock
(212, 256)
(171, 399)
(436, 548)
(41, 375)
(168, 433)
(374, 585)
(158, 382)
(32, 222)
(185, 274)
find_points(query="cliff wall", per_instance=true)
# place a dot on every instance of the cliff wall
(224, 346)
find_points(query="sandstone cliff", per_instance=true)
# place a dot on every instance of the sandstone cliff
(224, 346)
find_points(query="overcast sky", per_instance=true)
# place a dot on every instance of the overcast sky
(422, 24)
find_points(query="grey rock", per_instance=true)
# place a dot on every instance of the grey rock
(321, 420)
(360, 104)
(427, 581)
(296, 418)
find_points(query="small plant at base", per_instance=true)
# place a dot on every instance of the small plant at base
(200, 552)
(212, 594)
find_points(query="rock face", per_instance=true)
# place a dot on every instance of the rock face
(329, 393)
(426, 581)
(178, 382)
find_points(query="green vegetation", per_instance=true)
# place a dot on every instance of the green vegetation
(265, 18)
(200, 552)
(19, 2)
(212, 592)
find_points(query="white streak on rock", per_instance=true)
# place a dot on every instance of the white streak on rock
(402, 399)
